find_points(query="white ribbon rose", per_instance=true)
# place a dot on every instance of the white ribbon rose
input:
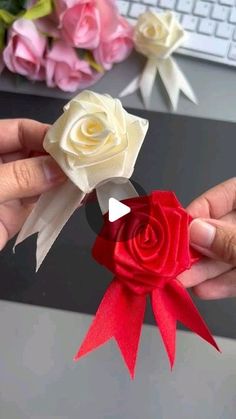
(95, 140)
(158, 35)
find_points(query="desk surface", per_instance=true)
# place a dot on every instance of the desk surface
(39, 380)
(214, 85)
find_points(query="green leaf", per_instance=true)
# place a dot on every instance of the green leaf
(13, 6)
(6, 17)
(40, 9)
(2, 35)
(90, 60)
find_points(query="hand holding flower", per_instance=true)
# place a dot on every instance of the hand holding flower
(95, 140)
(145, 263)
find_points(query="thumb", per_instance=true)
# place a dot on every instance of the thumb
(28, 177)
(214, 238)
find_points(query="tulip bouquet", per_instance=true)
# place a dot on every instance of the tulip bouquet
(69, 44)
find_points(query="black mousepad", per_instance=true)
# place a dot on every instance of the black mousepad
(185, 154)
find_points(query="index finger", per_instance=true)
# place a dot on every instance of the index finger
(216, 202)
(18, 134)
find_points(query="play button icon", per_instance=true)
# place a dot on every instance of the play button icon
(110, 206)
(117, 210)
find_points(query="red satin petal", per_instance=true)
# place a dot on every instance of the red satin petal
(183, 257)
(165, 199)
(172, 263)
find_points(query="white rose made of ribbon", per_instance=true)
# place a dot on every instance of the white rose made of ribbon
(157, 36)
(96, 143)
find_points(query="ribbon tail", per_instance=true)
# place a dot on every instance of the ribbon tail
(166, 321)
(50, 214)
(173, 303)
(131, 88)
(147, 81)
(120, 316)
(175, 81)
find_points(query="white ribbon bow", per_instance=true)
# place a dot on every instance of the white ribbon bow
(96, 143)
(157, 36)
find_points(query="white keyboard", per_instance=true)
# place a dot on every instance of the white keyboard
(210, 24)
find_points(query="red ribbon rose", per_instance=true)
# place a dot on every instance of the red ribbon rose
(146, 250)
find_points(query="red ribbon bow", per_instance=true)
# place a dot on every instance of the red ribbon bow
(147, 249)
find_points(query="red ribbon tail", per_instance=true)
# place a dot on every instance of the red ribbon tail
(120, 315)
(171, 304)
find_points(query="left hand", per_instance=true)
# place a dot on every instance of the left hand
(23, 177)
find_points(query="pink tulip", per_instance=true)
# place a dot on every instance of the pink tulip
(83, 22)
(25, 50)
(66, 71)
(117, 47)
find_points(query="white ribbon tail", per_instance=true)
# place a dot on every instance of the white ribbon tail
(50, 214)
(114, 189)
(147, 81)
(174, 81)
(144, 82)
(131, 88)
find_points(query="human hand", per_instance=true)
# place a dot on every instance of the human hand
(22, 176)
(213, 233)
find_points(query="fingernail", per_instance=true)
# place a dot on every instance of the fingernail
(52, 171)
(202, 233)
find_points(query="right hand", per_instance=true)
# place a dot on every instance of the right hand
(213, 233)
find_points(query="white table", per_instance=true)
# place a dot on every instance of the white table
(39, 380)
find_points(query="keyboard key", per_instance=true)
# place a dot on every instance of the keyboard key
(167, 4)
(202, 8)
(184, 6)
(232, 17)
(224, 30)
(234, 37)
(156, 9)
(178, 16)
(136, 10)
(150, 2)
(232, 52)
(220, 12)
(123, 7)
(189, 22)
(206, 44)
(227, 2)
(207, 26)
